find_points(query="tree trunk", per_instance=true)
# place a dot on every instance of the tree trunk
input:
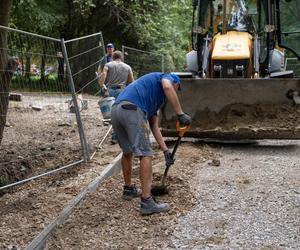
(5, 75)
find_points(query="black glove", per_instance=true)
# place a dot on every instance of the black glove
(168, 158)
(184, 119)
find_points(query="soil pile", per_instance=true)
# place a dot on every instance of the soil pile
(251, 116)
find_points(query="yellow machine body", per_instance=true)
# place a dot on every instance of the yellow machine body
(232, 46)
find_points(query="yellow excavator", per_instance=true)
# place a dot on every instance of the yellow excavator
(236, 84)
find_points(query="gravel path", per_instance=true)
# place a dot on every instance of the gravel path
(222, 197)
(250, 201)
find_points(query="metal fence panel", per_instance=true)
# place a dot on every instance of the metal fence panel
(53, 117)
(41, 131)
(83, 58)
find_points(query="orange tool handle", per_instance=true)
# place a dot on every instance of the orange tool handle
(181, 130)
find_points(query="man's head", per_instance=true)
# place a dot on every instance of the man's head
(110, 48)
(117, 55)
(175, 80)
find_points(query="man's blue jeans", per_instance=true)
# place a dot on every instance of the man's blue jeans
(114, 92)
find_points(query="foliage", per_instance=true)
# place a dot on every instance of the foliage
(154, 25)
(38, 16)
(162, 26)
(35, 82)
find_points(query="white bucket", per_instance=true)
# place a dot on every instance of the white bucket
(105, 106)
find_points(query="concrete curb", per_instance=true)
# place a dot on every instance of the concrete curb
(40, 241)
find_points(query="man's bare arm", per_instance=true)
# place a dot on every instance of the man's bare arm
(172, 96)
(130, 78)
(103, 76)
(156, 132)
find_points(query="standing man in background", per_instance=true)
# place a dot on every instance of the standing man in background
(110, 48)
(116, 75)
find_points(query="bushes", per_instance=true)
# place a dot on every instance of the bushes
(37, 83)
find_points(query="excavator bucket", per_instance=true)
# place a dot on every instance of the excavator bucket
(237, 109)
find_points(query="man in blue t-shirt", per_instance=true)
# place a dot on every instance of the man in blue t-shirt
(133, 115)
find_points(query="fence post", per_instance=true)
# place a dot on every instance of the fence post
(123, 53)
(83, 140)
(103, 45)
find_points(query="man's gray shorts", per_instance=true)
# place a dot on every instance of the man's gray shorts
(132, 129)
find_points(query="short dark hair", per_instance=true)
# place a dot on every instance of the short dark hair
(117, 55)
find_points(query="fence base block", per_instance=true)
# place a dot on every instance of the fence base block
(15, 97)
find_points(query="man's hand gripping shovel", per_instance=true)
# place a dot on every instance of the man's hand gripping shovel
(162, 189)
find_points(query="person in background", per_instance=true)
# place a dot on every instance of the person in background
(110, 48)
(116, 75)
(133, 114)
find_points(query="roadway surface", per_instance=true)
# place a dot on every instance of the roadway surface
(250, 201)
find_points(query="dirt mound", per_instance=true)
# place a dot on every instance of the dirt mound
(242, 115)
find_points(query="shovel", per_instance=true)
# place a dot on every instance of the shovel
(162, 189)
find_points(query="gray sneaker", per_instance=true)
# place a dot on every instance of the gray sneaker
(131, 192)
(149, 206)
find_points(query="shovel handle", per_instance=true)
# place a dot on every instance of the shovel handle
(181, 130)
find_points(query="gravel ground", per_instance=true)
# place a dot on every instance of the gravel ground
(28, 209)
(250, 201)
(229, 197)
(243, 196)
(105, 221)
(222, 197)
(37, 141)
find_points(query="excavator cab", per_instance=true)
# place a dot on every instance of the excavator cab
(247, 30)
(238, 86)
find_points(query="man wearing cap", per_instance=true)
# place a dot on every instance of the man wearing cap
(133, 115)
(110, 48)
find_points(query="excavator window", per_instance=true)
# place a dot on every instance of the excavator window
(240, 15)
(290, 33)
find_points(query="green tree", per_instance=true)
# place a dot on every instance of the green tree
(153, 25)
(162, 26)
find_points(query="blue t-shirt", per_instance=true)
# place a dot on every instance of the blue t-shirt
(146, 92)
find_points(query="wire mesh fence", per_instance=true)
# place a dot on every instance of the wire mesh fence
(40, 128)
(49, 101)
(143, 62)
(83, 57)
